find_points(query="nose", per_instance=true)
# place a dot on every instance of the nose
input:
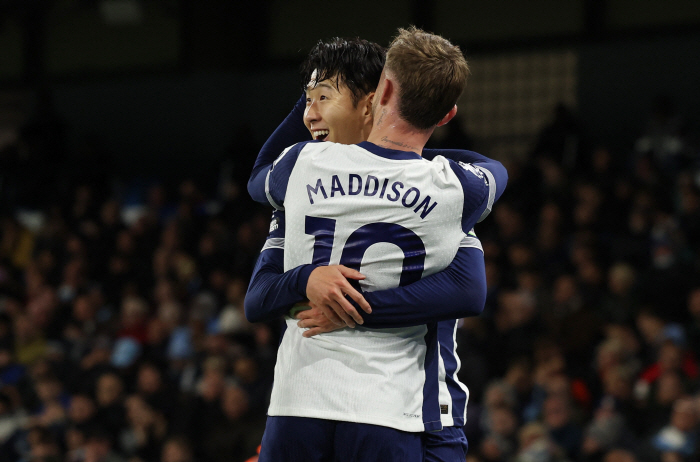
(311, 114)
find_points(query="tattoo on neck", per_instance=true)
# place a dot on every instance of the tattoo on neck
(381, 117)
(397, 143)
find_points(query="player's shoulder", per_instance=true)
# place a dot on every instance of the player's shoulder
(290, 155)
(466, 171)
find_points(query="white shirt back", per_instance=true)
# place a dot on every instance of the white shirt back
(395, 217)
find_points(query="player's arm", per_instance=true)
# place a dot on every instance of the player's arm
(456, 292)
(272, 292)
(292, 130)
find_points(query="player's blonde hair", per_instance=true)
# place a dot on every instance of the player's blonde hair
(431, 74)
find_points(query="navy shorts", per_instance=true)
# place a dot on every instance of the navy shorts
(448, 445)
(302, 439)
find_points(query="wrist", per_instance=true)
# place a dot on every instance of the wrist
(303, 279)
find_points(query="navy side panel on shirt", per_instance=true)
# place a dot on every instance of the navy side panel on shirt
(431, 391)
(448, 351)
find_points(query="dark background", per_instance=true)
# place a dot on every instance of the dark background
(177, 81)
(128, 129)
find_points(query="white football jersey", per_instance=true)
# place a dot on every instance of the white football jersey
(395, 217)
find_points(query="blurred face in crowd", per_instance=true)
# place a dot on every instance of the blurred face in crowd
(138, 412)
(176, 451)
(83, 309)
(619, 455)
(81, 409)
(234, 402)
(5, 357)
(670, 357)
(694, 303)
(149, 380)
(685, 415)
(669, 388)
(48, 390)
(109, 389)
(556, 412)
(332, 115)
(503, 421)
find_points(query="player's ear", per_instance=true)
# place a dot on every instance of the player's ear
(385, 91)
(368, 104)
(448, 117)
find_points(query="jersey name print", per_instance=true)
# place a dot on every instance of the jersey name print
(395, 217)
(408, 195)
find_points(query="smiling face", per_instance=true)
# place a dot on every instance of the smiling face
(332, 115)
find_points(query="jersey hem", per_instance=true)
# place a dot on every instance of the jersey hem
(382, 421)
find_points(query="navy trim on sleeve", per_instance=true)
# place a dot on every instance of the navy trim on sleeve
(476, 193)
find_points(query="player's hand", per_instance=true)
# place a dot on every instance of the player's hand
(328, 313)
(327, 288)
(316, 321)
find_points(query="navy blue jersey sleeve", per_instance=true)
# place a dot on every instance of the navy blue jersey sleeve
(494, 167)
(478, 196)
(278, 175)
(291, 131)
(456, 292)
(272, 292)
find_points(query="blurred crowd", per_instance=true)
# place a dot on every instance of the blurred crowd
(123, 337)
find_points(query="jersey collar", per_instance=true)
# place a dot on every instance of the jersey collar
(389, 153)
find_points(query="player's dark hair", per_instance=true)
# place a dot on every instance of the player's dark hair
(355, 62)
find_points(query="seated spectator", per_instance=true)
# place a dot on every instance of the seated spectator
(145, 430)
(535, 445)
(620, 455)
(177, 449)
(607, 430)
(110, 407)
(557, 415)
(680, 435)
(99, 447)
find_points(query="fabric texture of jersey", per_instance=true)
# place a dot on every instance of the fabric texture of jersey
(396, 217)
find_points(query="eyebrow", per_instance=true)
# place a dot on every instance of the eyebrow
(320, 84)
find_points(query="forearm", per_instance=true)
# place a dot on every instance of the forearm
(272, 292)
(291, 131)
(456, 292)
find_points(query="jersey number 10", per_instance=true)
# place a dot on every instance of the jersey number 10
(323, 230)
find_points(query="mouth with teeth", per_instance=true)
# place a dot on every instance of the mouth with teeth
(320, 135)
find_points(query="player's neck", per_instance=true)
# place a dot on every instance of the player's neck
(394, 133)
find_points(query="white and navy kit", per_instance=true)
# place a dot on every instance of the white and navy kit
(397, 218)
(453, 395)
